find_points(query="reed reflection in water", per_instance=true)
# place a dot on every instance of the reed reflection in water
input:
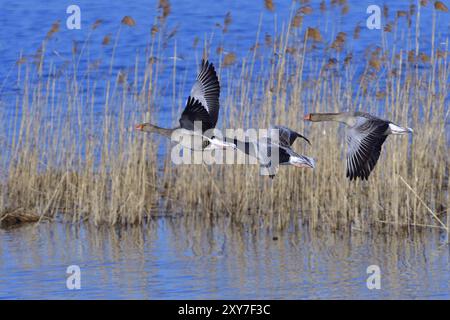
(197, 258)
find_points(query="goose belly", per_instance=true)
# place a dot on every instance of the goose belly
(189, 139)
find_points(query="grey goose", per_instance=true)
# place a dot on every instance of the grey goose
(279, 139)
(365, 136)
(200, 113)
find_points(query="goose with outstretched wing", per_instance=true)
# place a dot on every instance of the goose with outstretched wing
(274, 149)
(200, 113)
(365, 136)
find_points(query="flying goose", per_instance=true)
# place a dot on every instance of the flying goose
(365, 136)
(200, 113)
(279, 139)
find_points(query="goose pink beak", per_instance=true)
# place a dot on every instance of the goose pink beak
(307, 117)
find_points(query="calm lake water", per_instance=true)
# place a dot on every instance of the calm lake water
(182, 258)
(186, 258)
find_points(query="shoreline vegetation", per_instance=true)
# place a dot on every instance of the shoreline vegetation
(64, 158)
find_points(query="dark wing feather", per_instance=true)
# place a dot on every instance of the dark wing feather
(287, 136)
(364, 147)
(195, 112)
(207, 90)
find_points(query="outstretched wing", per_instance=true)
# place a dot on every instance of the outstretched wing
(207, 90)
(364, 146)
(195, 114)
(286, 136)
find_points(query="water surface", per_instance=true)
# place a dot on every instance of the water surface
(186, 258)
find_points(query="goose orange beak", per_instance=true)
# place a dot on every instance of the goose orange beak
(139, 127)
(307, 117)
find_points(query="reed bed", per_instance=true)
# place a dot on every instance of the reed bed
(63, 157)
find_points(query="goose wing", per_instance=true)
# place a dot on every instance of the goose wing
(286, 136)
(195, 114)
(365, 139)
(207, 90)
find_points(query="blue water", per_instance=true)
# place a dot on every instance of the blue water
(25, 24)
(186, 259)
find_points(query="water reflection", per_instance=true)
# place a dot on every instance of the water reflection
(195, 258)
